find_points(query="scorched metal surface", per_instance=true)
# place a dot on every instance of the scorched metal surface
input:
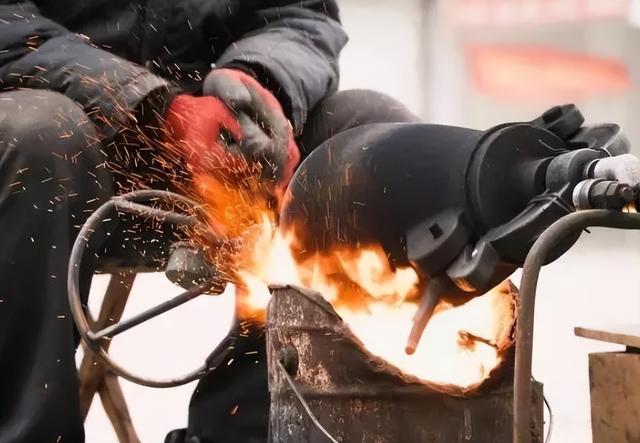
(358, 397)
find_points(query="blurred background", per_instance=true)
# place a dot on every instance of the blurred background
(471, 63)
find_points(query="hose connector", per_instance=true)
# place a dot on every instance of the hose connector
(598, 193)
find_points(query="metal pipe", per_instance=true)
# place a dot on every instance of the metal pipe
(149, 212)
(125, 325)
(526, 307)
(73, 276)
(82, 242)
(129, 203)
(81, 320)
(431, 297)
(155, 194)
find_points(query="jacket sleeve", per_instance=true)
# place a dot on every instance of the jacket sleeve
(38, 53)
(292, 47)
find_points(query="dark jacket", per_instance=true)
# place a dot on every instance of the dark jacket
(111, 55)
(114, 56)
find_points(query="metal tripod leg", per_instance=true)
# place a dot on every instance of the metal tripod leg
(93, 375)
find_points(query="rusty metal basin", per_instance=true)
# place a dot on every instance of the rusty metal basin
(358, 397)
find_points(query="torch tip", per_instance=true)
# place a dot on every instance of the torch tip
(430, 298)
(410, 349)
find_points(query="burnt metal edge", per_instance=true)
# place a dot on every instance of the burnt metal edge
(494, 382)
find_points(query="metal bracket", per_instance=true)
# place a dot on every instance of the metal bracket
(132, 203)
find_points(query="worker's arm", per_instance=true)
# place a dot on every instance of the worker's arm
(38, 53)
(291, 47)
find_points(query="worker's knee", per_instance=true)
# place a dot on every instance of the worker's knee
(362, 96)
(43, 128)
(348, 109)
(366, 106)
(49, 149)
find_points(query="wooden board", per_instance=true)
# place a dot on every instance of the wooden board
(615, 397)
(627, 335)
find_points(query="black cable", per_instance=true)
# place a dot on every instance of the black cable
(304, 403)
(547, 438)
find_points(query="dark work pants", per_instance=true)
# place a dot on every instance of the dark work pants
(52, 176)
(49, 180)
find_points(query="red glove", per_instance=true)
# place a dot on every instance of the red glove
(204, 136)
(267, 134)
(204, 132)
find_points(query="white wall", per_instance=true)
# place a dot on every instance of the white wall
(385, 49)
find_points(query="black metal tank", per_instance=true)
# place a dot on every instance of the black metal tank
(462, 206)
(377, 183)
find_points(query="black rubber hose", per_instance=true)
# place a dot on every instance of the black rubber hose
(545, 244)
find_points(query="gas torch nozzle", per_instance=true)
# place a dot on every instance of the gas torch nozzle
(432, 293)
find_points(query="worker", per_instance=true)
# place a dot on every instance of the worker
(85, 85)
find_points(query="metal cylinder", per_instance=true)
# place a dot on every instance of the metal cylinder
(358, 397)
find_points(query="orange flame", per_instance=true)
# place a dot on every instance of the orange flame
(460, 346)
(449, 352)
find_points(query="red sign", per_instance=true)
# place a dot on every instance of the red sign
(522, 12)
(534, 74)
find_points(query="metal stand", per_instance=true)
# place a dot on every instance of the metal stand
(542, 248)
(98, 373)
(94, 377)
